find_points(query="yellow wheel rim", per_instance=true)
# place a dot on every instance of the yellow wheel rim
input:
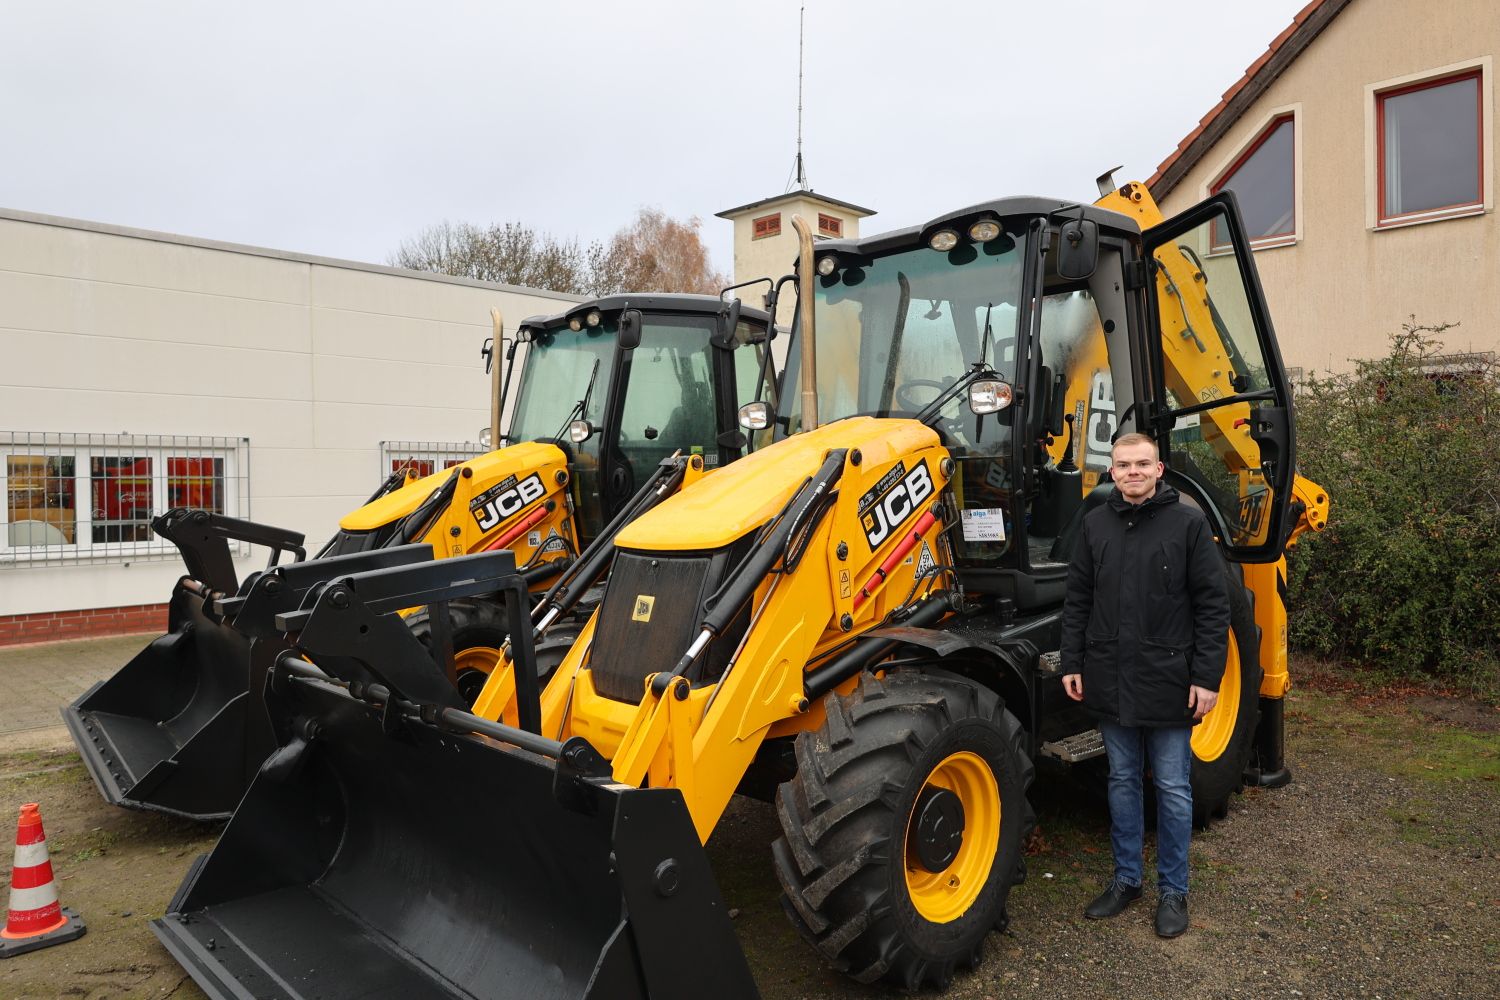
(1211, 735)
(944, 896)
(480, 658)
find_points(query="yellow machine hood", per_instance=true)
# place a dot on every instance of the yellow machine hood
(741, 497)
(487, 467)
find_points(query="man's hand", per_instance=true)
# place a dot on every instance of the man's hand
(1200, 700)
(1073, 685)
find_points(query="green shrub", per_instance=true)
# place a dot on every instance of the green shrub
(1406, 578)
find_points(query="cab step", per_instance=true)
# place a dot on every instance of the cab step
(1075, 748)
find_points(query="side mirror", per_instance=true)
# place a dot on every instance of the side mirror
(989, 396)
(1077, 249)
(630, 329)
(755, 416)
(725, 334)
(580, 431)
(488, 353)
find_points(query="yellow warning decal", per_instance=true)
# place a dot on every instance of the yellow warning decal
(643, 605)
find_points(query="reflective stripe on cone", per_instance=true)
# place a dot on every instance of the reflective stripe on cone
(35, 918)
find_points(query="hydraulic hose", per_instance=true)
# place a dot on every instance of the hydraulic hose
(821, 680)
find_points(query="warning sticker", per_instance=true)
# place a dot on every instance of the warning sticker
(925, 561)
(533, 538)
(983, 524)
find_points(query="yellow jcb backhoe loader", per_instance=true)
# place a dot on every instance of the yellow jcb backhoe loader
(606, 391)
(861, 617)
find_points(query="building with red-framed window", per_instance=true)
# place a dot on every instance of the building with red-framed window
(144, 371)
(1361, 146)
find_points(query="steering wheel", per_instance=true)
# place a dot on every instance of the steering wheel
(903, 397)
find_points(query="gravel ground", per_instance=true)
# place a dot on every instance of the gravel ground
(1374, 874)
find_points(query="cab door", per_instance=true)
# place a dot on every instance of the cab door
(1216, 388)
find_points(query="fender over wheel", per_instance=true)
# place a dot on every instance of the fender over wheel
(904, 827)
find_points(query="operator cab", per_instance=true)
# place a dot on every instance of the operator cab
(622, 382)
(1008, 290)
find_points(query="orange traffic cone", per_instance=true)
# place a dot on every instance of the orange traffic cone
(36, 920)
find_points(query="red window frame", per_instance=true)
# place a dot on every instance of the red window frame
(830, 225)
(1265, 134)
(1477, 75)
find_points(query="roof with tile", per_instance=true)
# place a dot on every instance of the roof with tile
(1284, 48)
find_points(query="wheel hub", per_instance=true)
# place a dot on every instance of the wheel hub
(939, 828)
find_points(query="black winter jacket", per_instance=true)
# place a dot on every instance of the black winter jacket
(1146, 612)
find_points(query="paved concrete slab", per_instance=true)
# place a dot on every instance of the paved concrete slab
(36, 681)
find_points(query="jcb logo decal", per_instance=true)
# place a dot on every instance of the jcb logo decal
(886, 512)
(499, 502)
(1102, 423)
(643, 605)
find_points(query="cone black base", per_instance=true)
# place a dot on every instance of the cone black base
(71, 931)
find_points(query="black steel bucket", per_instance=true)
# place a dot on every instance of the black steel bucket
(166, 732)
(180, 729)
(379, 856)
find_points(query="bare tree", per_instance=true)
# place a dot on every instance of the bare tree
(509, 253)
(654, 253)
(662, 254)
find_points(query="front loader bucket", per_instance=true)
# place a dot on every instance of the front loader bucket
(185, 688)
(179, 728)
(380, 856)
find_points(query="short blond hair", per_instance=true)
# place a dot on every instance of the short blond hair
(1135, 437)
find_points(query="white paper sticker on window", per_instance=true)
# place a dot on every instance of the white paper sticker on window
(983, 525)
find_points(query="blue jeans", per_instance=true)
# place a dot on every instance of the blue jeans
(1171, 756)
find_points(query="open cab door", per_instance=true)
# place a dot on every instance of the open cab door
(1217, 383)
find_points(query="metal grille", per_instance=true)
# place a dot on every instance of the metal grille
(89, 498)
(426, 457)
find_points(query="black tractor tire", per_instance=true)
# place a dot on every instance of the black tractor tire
(1215, 781)
(479, 630)
(847, 817)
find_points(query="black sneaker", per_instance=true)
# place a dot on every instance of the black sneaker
(1112, 900)
(1171, 915)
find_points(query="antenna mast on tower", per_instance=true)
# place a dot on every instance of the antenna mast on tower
(801, 172)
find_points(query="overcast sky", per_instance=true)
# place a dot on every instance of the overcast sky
(342, 128)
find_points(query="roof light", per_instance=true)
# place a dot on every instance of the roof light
(593, 318)
(827, 265)
(575, 324)
(943, 240)
(984, 230)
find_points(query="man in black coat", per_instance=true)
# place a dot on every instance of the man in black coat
(1145, 633)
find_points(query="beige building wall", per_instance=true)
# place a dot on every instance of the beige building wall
(315, 361)
(1343, 286)
(774, 256)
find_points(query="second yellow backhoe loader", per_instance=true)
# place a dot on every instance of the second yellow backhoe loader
(860, 620)
(608, 389)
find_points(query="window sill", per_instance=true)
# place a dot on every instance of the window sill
(1270, 243)
(1441, 215)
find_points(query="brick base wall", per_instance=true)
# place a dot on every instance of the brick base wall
(50, 626)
